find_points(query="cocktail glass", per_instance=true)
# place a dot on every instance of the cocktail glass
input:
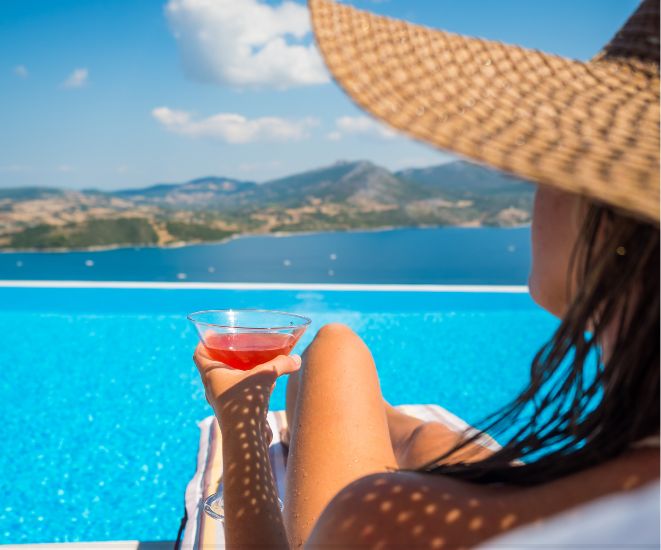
(243, 339)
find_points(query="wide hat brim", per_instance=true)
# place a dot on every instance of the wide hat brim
(590, 128)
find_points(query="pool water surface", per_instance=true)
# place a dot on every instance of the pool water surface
(99, 397)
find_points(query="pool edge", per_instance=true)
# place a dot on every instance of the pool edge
(507, 289)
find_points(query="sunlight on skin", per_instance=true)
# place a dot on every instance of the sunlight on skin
(367, 530)
(347, 523)
(402, 509)
(417, 530)
(452, 515)
(507, 521)
(247, 456)
(420, 516)
(406, 509)
(240, 401)
(377, 510)
(630, 482)
(422, 442)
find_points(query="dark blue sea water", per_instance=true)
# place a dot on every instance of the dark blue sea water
(415, 256)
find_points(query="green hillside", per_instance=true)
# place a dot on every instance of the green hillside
(92, 233)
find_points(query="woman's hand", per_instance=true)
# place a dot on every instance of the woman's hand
(225, 386)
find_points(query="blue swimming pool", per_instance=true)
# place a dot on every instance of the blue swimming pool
(99, 398)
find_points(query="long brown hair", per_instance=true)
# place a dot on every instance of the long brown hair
(579, 410)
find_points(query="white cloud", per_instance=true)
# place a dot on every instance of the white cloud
(77, 79)
(21, 71)
(246, 43)
(65, 168)
(234, 128)
(360, 125)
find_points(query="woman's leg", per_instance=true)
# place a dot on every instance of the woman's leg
(338, 426)
(414, 442)
(403, 430)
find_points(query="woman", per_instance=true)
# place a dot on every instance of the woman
(362, 474)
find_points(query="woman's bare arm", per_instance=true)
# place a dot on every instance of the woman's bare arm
(252, 513)
(413, 510)
(240, 400)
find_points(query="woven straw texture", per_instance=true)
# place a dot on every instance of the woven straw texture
(589, 128)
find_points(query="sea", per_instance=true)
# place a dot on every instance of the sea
(493, 256)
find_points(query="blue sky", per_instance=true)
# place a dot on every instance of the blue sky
(125, 93)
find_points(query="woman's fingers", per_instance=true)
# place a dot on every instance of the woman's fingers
(282, 364)
(203, 361)
(200, 355)
(202, 352)
(219, 378)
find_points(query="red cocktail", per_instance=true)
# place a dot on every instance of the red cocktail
(245, 350)
(243, 339)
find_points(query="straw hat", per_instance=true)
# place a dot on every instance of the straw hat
(590, 128)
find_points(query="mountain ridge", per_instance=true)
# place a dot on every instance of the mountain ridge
(343, 195)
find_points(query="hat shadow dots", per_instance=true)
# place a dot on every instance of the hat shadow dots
(422, 516)
(249, 475)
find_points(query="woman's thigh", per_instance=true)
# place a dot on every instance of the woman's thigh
(338, 426)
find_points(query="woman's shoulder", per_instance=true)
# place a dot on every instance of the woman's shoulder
(402, 508)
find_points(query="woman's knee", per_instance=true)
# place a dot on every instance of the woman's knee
(335, 338)
(334, 331)
(336, 343)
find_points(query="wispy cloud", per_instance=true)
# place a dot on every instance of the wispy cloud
(246, 43)
(65, 168)
(360, 125)
(234, 128)
(77, 79)
(21, 71)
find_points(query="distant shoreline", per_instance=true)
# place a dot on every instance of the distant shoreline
(276, 234)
